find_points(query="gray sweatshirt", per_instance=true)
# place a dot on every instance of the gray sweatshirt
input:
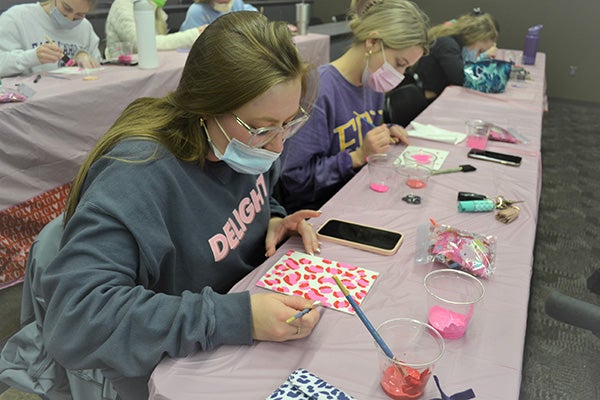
(147, 259)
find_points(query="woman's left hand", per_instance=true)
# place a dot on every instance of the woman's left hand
(398, 134)
(280, 228)
(84, 60)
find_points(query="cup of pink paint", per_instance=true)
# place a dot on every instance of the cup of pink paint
(477, 133)
(381, 172)
(124, 51)
(452, 296)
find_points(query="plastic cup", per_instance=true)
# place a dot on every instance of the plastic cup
(416, 346)
(477, 134)
(381, 172)
(452, 295)
(418, 167)
(124, 52)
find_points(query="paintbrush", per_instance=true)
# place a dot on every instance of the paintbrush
(460, 168)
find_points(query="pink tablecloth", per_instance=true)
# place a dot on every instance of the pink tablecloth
(340, 350)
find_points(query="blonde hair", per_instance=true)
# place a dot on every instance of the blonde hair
(237, 58)
(398, 23)
(469, 28)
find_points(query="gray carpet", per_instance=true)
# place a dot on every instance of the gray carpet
(560, 361)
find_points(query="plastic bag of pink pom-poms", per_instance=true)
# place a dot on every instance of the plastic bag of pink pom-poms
(11, 96)
(455, 248)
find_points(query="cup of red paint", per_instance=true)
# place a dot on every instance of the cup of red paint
(417, 168)
(452, 296)
(417, 347)
(381, 172)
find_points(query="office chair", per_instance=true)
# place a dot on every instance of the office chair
(403, 104)
(576, 312)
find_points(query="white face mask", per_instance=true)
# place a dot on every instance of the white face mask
(61, 21)
(384, 79)
(222, 7)
(243, 158)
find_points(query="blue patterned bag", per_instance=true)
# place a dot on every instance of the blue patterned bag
(487, 76)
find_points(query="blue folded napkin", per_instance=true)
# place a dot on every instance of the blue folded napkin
(301, 384)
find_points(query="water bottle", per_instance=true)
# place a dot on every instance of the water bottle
(143, 13)
(531, 44)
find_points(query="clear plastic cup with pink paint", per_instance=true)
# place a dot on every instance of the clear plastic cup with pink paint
(477, 133)
(381, 172)
(452, 297)
(417, 167)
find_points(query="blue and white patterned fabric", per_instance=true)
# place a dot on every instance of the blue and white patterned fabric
(487, 76)
(301, 384)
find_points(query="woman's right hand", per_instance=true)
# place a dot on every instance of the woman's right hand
(271, 310)
(376, 141)
(48, 53)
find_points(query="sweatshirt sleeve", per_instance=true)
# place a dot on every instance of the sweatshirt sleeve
(450, 60)
(14, 59)
(312, 170)
(120, 26)
(101, 314)
(175, 40)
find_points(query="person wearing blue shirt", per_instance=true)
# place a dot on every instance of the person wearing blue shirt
(204, 12)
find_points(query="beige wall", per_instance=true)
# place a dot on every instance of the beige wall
(570, 36)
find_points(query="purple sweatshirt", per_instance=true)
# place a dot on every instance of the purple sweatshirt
(316, 162)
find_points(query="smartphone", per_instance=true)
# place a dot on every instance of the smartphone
(506, 159)
(358, 236)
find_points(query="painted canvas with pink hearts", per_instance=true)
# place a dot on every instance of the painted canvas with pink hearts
(312, 278)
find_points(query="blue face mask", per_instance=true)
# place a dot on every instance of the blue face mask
(469, 55)
(61, 21)
(243, 158)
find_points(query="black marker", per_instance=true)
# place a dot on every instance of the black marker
(37, 78)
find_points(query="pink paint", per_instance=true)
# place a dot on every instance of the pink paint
(379, 188)
(124, 59)
(416, 183)
(449, 324)
(422, 158)
(477, 142)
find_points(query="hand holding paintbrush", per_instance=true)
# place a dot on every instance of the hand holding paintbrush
(49, 52)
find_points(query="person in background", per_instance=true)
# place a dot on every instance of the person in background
(120, 27)
(204, 12)
(468, 38)
(44, 36)
(346, 124)
(173, 206)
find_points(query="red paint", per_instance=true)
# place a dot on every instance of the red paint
(400, 387)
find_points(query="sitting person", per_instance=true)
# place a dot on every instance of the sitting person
(44, 36)
(173, 206)
(346, 125)
(120, 27)
(456, 42)
(204, 12)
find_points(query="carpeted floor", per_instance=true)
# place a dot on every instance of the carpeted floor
(560, 361)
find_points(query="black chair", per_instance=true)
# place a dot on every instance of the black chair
(403, 104)
(576, 312)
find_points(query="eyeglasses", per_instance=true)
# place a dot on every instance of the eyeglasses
(261, 136)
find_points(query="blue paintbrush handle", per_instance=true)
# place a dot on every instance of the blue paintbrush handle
(371, 328)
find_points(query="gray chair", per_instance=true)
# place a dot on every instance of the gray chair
(24, 362)
(403, 104)
(574, 311)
